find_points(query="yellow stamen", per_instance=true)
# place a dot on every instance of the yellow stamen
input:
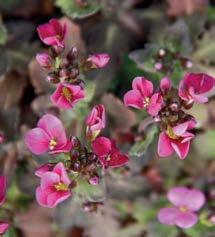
(146, 102)
(52, 144)
(170, 133)
(61, 187)
(183, 209)
(67, 94)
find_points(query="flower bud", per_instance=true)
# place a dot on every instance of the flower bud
(158, 66)
(74, 73)
(44, 60)
(94, 180)
(75, 142)
(165, 84)
(73, 53)
(53, 78)
(64, 73)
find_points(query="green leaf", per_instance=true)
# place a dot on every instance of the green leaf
(3, 34)
(72, 9)
(10, 233)
(93, 193)
(140, 147)
(211, 13)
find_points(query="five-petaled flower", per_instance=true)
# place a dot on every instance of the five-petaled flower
(176, 139)
(95, 121)
(52, 33)
(98, 60)
(141, 96)
(194, 86)
(49, 136)
(66, 95)
(3, 183)
(54, 187)
(186, 202)
(108, 154)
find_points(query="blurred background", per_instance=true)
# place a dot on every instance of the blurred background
(132, 32)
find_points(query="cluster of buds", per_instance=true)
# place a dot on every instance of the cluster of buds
(64, 68)
(168, 107)
(163, 61)
(80, 161)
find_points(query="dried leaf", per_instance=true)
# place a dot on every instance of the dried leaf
(122, 117)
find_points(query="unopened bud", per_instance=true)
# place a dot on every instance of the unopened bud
(73, 53)
(53, 78)
(44, 60)
(94, 180)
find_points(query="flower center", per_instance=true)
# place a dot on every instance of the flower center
(170, 133)
(61, 187)
(108, 158)
(183, 209)
(67, 94)
(146, 102)
(52, 143)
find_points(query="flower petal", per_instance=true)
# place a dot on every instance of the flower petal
(56, 198)
(176, 195)
(134, 98)
(144, 86)
(3, 184)
(155, 104)
(194, 199)
(61, 171)
(37, 141)
(53, 126)
(164, 145)
(186, 219)
(3, 227)
(181, 148)
(167, 216)
(101, 146)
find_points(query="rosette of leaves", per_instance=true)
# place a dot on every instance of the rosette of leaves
(78, 8)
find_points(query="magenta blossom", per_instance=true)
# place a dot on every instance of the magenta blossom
(66, 95)
(49, 136)
(99, 60)
(3, 227)
(176, 139)
(109, 155)
(186, 202)
(141, 96)
(52, 33)
(96, 121)
(165, 84)
(194, 86)
(54, 187)
(3, 184)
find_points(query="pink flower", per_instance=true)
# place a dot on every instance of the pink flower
(99, 60)
(186, 202)
(141, 96)
(95, 121)
(3, 184)
(52, 33)
(44, 60)
(176, 139)
(54, 187)
(66, 95)
(43, 169)
(165, 84)
(194, 86)
(1, 138)
(49, 136)
(108, 153)
(3, 227)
